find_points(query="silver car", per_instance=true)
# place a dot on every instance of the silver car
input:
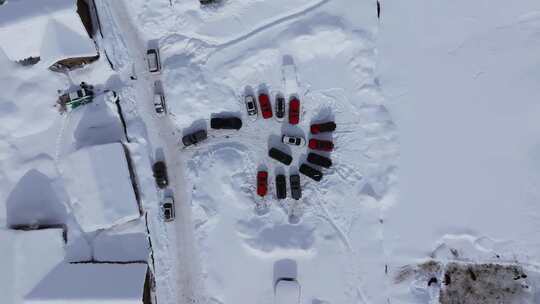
(251, 106)
(152, 57)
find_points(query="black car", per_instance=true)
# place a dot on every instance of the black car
(281, 186)
(160, 174)
(296, 190)
(194, 138)
(234, 123)
(280, 156)
(319, 160)
(280, 107)
(311, 172)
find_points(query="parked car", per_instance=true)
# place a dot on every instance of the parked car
(281, 186)
(159, 104)
(203, 2)
(319, 160)
(321, 145)
(294, 110)
(82, 96)
(311, 172)
(152, 57)
(280, 107)
(234, 123)
(296, 190)
(293, 140)
(323, 127)
(266, 106)
(280, 156)
(160, 174)
(287, 291)
(194, 138)
(167, 209)
(262, 183)
(251, 106)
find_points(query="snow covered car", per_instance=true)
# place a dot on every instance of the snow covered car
(281, 186)
(296, 190)
(167, 209)
(152, 57)
(280, 107)
(280, 156)
(82, 96)
(159, 104)
(262, 183)
(287, 291)
(323, 127)
(293, 140)
(194, 138)
(266, 106)
(319, 160)
(294, 110)
(311, 172)
(321, 145)
(233, 123)
(160, 174)
(251, 106)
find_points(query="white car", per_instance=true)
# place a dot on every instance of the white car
(159, 104)
(287, 291)
(167, 209)
(152, 57)
(293, 140)
(251, 106)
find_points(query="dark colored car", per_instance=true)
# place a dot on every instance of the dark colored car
(160, 174)
(280, 156)
(266, 106)
(311, 172)
(321, 145)
(296, 190)
(262, 183)
(294, 111)
(234, 123)
(194, 138)
(323, 127)
(280, 107)
(281, 186)
(319, 160)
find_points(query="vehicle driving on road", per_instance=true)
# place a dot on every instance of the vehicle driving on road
(194, 138)
(280, 156)
(281, 186)
(152, 58)
(233, 123)
(262, 183)
(159, 104)
(323, 127)
(319, 160)
(251, 106)
(160, 174)
(321, 145)
(311, 172)
(266, 106)
(293, 140)
(280, 107)
(294, 110)
(296, 190)
(167, 209)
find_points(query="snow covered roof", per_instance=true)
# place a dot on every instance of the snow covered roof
(99, 186)
(49, 29)
(91, 283)
(27, 257)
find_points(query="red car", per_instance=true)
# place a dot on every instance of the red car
(266, 107)
(294, 111)
(321, 145)
(323, 127)
(262, 183)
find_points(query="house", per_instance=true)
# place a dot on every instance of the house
(49, 32)
(98, 182)
(34, 271)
